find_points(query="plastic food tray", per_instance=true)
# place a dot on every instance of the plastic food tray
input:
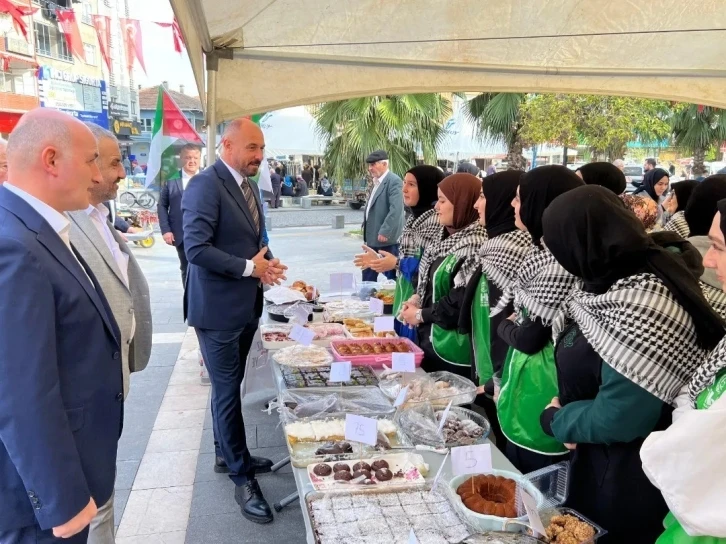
(348, 334)
(318, 378)
(301, 356)
(549, 513)
(466, 390)
(375, 359)
(323, 342)
(407, 415)
(299, 403)
(407, 463)
(303, 454)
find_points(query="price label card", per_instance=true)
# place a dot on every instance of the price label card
(302, 335)
(471, 459)
(300, 314)
(341, 282)
(412, 537)
(401, 398)
(444, 416)
(375, 305)
(403, 362)
(361, 429)
(383, 324)
(531, 507)
(340, 372)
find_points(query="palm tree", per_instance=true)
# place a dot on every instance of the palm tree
(402, 125)
(698, 128)
(497, 116)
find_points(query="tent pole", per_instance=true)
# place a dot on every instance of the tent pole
(212, 66)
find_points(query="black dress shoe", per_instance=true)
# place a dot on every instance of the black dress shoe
(259, 464)
(254, 506)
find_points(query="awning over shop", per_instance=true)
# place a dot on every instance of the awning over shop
(8, 121)
(273, 55)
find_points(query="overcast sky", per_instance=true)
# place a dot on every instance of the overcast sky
(162, 62)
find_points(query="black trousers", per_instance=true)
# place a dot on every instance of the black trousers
(183, 263)
(276, 198)
(36, 535)
(225, 356)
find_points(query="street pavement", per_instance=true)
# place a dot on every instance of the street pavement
(166, 490)
(319, 215)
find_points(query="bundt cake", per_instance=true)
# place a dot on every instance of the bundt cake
(490, 495)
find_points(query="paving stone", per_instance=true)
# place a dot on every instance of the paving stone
(155, 511)
(125, 473)
(168, 469)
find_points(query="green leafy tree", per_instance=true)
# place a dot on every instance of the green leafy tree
(550, 118)
(698, 129)
(402, 125)
(498, 117)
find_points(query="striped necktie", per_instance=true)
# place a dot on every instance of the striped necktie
(251, 203)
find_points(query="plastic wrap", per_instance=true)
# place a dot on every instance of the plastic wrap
(276, 336)
(406, 470)
(375, 359)
(303, 356)
(438, 388)
(421, 424)
(337, 310)
(319, 377)
(301, 403)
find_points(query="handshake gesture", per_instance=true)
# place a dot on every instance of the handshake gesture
(269, 272)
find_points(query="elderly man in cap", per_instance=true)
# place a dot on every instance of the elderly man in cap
(383, 222)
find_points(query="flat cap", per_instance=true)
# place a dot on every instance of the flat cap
(376, 156)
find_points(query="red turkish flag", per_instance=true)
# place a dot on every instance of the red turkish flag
(102, 24)
(17, 13)
(131, 32)
(176, 31)
(67, 20)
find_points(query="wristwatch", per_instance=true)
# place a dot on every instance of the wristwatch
(418, 315)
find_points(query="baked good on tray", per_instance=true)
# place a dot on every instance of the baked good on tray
(331, 429)
(372, 347)
(490, 495)
(297, 378)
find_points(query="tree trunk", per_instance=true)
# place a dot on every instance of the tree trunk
(515, 159)
(564, 156)
(699, 155)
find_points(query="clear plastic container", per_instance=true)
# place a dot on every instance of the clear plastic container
(458, 389)
(375, 359)
(366, 289)
(421, 425)
(300, 403)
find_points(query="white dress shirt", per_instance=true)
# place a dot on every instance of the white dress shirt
(376, 184)
(57, 221)
(239, 178)
(186, 177)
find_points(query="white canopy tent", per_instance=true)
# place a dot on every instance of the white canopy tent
(290, 131)
(264, 55)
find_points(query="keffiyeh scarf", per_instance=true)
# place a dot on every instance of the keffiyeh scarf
(716, 298)
(419, 232)
(706, 374)
(500, 259)
(542, 285)
(679, 225)
(641, 331)
(464, 244)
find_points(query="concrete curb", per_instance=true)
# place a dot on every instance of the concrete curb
(353, 235)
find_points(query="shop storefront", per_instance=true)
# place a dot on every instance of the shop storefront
(81, 96)
(126, 131)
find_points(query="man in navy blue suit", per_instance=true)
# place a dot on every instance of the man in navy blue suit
(228, 262)
(61, 391)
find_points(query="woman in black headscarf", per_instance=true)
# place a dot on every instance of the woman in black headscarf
(420, 192)
(488, 298)
(604, 174)
(675, 204)
(528, 376)
(655, 187)
(629, 338)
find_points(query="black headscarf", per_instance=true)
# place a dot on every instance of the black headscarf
(604, 174)
(594, 237)
(427, 178)
(499, 190)
(722, 209)
(537, 189)
(701, 207)
(684, 190)
(651, 178)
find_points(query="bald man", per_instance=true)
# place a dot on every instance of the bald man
(61, 391)
(223, 228)
(3, 161)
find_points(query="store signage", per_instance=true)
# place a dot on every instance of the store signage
(118, 109)
(81, 96)
(126, 128)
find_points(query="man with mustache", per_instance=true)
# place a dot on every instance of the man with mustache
(121, 279)
(228, 263)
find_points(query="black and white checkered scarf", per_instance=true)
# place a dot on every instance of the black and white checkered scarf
(542, 285)
(640, 330)
(679, 225)
(706, 374)
(419, 232)
(500, 259)
(715, 297)
(464, 244)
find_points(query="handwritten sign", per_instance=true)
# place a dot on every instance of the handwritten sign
(531, 508)
(403, 362)
(401, 398)
(341, 282)
(361, 429)
(340, 372)
(302, 335)
(300, 314)
(444, 416)
(471, 459)
(375, 305)
(383, 324)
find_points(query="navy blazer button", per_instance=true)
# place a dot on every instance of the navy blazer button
(31, 493)
(115, 354)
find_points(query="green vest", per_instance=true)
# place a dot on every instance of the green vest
(449, 345)
(480, 332)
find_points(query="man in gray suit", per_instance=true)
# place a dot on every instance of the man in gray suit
(383, 223)
(121, 280)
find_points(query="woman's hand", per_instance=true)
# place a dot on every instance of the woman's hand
(409, 315)
(670, 204)
(512, 317)
(386, 264)
(556, 404)
(414, 301)
(366, 259)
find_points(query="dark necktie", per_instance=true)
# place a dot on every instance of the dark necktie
(251, 203)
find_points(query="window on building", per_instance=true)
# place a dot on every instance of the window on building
(87, 12)
(148, 124)
(42, 39)
(18, 83)
(90, 51)
(62, 50)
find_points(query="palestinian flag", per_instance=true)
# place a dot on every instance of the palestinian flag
(263, 180)
(170, 128)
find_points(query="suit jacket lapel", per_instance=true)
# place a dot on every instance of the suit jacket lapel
(379, 190)
(179, 185)
(85, 224)
(235, 190)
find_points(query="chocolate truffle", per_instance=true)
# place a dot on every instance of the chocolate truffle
(322, 470)
(380, 463)
(362, 465)
(346, 447)
(383, 474)
(343, 475)
(362, 472)
(341, 466)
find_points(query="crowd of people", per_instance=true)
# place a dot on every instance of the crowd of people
(596, 332)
